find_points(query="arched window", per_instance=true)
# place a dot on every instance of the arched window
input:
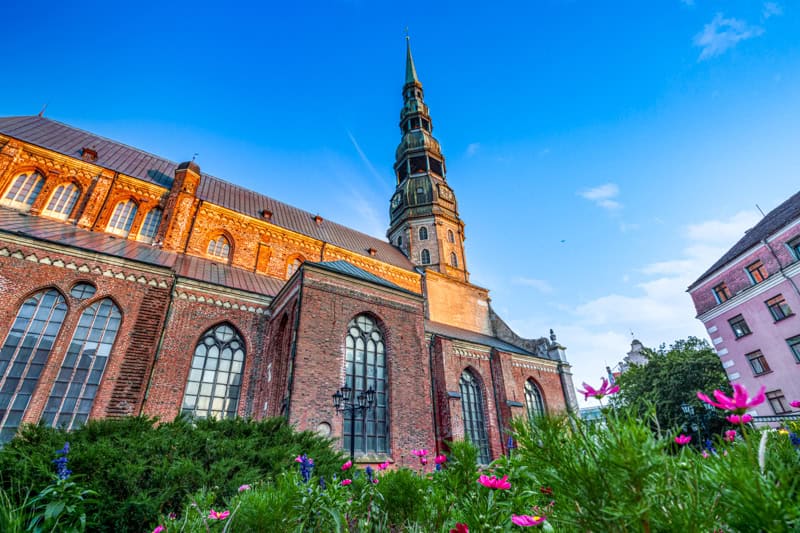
(76, 385)
(425, 257)
(399, 241)
(215, 378)
(24, 354)
(219, 247)
(23, 191)
(62, 201)
(423, 233)
(450, 236)
(365, 361)
(474, 420)
(292, 266)
(150, 225)
(453, 259)
(122, 219)
(533, 400)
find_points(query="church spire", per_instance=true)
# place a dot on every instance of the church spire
(424, 215)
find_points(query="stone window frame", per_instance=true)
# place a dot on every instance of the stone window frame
(118, 225)
(453, 260)
(220, 247)
(474, 413)
(425, 257)
(293, 264)
(149, 228)
(534, 400)
(23, 190)
(62, 201)
(423, 233)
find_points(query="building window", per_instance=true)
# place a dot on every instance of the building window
(794, 247)
(453, 260)
(778, 402)
(365, 367)
(212, 390)
(82, 291)
(794, 345)
(24, 354)
(757, 272)
(62, 201)
(739, 326)
(292, 267)
(423, 233)
(474, 419)
(533, 400)
(122, 219)
(76, 385)
(219, 247)
(758, 363)
(400, 241)
(450, 236)
(23, 191)
(721, 293)
(150, 225)
(425, 257)
(779, 308)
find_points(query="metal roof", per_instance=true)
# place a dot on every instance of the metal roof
(453, 332)
(343, 267)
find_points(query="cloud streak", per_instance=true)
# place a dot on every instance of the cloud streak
(603, 196)
(538, 284)
(722, 34)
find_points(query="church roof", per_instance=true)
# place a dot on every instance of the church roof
(136, 163)
(343, 267)
(196, 268)
(445, 330)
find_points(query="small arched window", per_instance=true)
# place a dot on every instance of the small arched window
(76, 385)
(399, 241)
(474, 419)
(62, 201)
(450, 236)
(122, 219)
(24, 354)
(425, 257)
(453, 260)
(219, 247)
(423, 233)
(150, 225)
(292, 266)
(23, 191)
(533, 400)
(215, 379)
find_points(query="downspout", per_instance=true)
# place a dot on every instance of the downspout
(157, 355)
(492, 356)
(780, 267)
(290, 377)
(433, 394)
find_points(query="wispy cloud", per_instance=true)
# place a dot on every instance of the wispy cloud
(377, 175)
(722, 34)
(603, 196)
(771, 9)
(472, 149)
(538, 284)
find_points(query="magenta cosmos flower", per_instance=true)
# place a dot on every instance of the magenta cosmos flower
(243, 488)
(683, 439)
(346, 482)
(494, 483)
(214, 515)
(736, 419)
(159, 529)
(604, 390)
(440, 459)
(347, 465)
(384, 465)
(795, 404)
(527, 520)
(739, 403)
(730, 435)
(460, 528)
(419, 453)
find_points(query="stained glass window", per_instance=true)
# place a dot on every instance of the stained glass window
(474, 419)
(425, 257)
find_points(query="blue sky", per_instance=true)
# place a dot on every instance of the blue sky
(604, 154)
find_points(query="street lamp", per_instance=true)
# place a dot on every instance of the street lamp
(344, 402)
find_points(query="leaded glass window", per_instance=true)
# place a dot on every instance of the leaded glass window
(533, 400)
(219, 247)
(365, 360)
(76, 385)
(23, 191)
(122, 219)
(453, 260)
(423, 233)
(150, 225)
(62, 201)
(292, 267)
(24, 354)
(474, 419)
(425, 256)
(215, 378)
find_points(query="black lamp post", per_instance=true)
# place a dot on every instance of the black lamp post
(344, 403)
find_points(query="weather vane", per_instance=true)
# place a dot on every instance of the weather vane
(195, 156)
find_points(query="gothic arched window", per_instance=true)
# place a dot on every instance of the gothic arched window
(215, 379)
(399, 241)
(474, 419)
(150, 225)
(450, 236)
(23, 191)
(122, 218)
(453, 259)
(292, 266)
(365, 361)
(533, 400)
(425, 257)
(423, 233)
(62, 201)
(219, 247)
(76, 385)
(24, 354)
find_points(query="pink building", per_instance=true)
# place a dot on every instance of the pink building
(748, 302)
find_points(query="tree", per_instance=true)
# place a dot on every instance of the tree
(672, 378)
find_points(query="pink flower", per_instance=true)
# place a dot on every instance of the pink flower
(527, 520)
(347, 465)
(460, 528)
(420, 453)
(705, 454)
(795, 404)
(243, 488)
(375, 481)
(604, 390)
(172, 516)
(740, 402)
(736, 419)
(159, 529)
(384, 466)
(346, 482)
(423, 460)
(730, 435)
(683, 439)
(214, 515)
(494, 483)
(440, 459)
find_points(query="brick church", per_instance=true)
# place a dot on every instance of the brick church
(135, 285)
